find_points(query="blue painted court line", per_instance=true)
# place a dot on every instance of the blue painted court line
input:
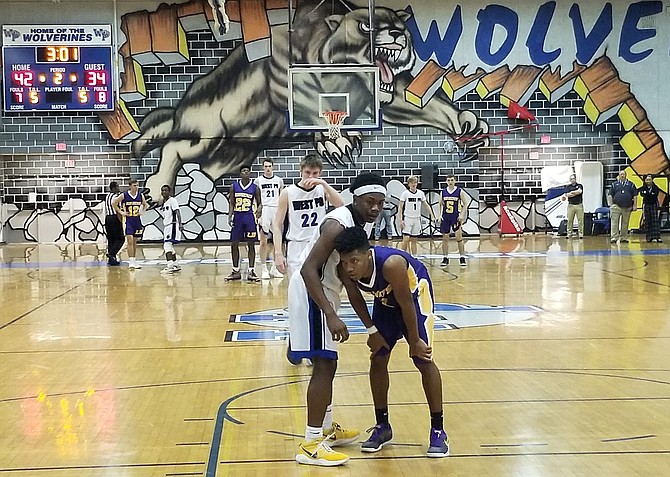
(222, 415)
(69, 264)
(150, 264)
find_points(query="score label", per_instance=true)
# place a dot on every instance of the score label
(63, 67)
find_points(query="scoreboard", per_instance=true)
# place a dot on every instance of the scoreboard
(57, 67)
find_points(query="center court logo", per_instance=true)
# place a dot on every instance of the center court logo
(272, 325)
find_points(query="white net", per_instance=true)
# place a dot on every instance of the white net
(334, 119)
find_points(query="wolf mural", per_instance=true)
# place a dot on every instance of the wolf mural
(227, 117)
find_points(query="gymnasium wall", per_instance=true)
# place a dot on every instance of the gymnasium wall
(594, 93)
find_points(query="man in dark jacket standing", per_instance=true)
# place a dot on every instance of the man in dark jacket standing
(113, 226)
(621, 199)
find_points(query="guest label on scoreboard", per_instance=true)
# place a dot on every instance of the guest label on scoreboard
(57, 67)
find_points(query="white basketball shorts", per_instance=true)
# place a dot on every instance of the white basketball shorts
(412, 226)
(294, 258)
(308, 331)
(267, 218)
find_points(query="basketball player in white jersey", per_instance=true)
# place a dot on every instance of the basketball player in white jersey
(305, 204)
(172, 228)
(270, 186)
(409, 210)
(314, 327)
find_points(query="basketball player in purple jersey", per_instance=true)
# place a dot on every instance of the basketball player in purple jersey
(403, 307)
(131, 205)
(241, 198)
(453, 204)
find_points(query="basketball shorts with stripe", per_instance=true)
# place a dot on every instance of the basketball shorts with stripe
(308, 331)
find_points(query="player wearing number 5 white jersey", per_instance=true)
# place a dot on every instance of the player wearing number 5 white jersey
(270, 187)
(305, 204)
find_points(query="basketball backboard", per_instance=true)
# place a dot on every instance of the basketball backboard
(315, 89)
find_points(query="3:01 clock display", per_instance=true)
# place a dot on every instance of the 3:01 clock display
(48, 77)
(58, 54)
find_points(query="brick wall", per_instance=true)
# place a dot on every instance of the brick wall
(29, 163)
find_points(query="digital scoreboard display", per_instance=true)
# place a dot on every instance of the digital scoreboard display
(57, 67)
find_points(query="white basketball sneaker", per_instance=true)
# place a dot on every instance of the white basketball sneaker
(276, 273)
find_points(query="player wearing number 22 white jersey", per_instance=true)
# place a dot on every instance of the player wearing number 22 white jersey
(304, 204)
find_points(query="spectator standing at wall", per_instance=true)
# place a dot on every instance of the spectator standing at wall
(649, 193)
(385, 216)
(575, 194)
(621, 199)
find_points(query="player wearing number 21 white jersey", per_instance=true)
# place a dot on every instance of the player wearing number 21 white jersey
(270, 187)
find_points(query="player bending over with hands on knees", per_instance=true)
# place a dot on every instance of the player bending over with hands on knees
(403, 306)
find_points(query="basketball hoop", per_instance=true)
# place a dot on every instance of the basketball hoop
(335, 119)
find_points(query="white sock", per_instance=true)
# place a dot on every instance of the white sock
(236, 269)
(313, 433)
(328, 418)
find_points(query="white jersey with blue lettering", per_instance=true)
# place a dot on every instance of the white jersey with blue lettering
(329, 277)
(413, 202)
(270, 189)
(305, 211)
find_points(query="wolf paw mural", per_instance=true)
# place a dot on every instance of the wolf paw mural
(74, 222)
(335, 151)
(227, 117)
(203, 209)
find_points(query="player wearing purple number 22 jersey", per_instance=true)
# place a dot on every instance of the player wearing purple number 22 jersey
(241, 197)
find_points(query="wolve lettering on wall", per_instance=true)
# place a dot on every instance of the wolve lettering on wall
(459, 66)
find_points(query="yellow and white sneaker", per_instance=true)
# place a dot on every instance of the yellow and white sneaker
(339, 436)
(319, 453)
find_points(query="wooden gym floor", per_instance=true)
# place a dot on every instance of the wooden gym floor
(109, 372)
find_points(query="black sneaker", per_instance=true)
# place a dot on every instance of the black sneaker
(462, 262)
(381, 435)
(234, 275)
(252, 277)
(445, 262)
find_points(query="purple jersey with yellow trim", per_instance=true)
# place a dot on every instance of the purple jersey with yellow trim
(244, 197)
(452, 201)
(387, 315)
(419, 280)
(132, 205)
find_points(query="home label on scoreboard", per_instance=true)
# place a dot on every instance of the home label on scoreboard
(57, 67)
